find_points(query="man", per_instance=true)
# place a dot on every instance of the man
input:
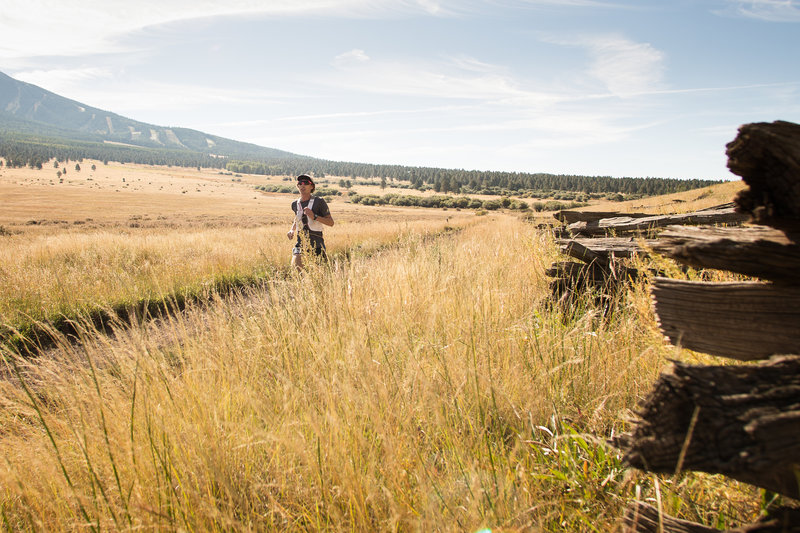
(310, 213)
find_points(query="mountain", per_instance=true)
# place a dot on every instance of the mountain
(37, 126)
(29, 109)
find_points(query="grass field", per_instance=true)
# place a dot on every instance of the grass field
(418, 381)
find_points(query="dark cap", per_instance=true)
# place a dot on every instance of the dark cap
(306, 177)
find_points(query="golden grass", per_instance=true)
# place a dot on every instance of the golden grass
(680, 202)
(45, 276)
(127, 234)
(421, 384)
(424, 387)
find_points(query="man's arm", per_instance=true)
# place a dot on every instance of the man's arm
(327, 220)
(290, 233)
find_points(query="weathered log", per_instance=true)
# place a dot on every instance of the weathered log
(603, 249)
(570, 270)
(625, 224)
(581, 251)
(767, 157)
(578, 286)
(757, 251)
(641, 517)
(742, 421)
(568, 217)
(745, 321)
(726, 205)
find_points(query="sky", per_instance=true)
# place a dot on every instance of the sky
(623, 88)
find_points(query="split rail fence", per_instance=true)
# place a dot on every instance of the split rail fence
(739, 420)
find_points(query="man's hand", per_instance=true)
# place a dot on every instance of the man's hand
(290, 234)
(308, 212)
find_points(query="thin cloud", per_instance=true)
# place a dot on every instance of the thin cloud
(622, 66)
(766, 10)
(625, 66)
(77, 27)
(379, 113)
(33, 28)
(115, 95)
(57, 80)
(444, 79)
(353, 56)
(575, 3)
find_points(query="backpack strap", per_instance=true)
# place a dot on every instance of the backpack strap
(298, 216)
(299, 213)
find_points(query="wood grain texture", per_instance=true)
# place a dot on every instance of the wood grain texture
(624, 224)
(757, 251)
(767, 157)
(746, 321)
(742, 421)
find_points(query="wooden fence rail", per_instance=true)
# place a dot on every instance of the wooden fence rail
(742, 421)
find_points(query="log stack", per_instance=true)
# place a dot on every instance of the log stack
(603, 242)
(599, 269)
(742, 421)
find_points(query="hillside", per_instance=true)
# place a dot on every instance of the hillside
(28, 109)
(37, 125)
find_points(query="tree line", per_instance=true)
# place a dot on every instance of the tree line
(473, 181)
(22, 151)
(19, 149)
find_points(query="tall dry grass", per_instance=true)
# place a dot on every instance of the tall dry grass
(45, 277)
(425, 387)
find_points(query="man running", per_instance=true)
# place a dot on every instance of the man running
(310, 213)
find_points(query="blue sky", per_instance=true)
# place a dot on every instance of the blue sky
(595, 87)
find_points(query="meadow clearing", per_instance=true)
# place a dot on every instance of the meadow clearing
(418, 381)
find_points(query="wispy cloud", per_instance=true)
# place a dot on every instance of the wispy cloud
(768, 10)
(76, 27)
(622, 66)
(102, 89)
(450, 78)
(625, 66)
(60, 78)
(352, 57)
(575, 3)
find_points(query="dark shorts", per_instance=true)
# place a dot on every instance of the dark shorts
(317, 245)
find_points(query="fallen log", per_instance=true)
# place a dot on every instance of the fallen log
(581, 251)
(767, 157)
(569, 216)
(641, 517)
(757, 251)
(726, 205)
(742, 421)
(603, 249)
(625, 224)
(572, 271)
(745, 321)
(577, 287)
